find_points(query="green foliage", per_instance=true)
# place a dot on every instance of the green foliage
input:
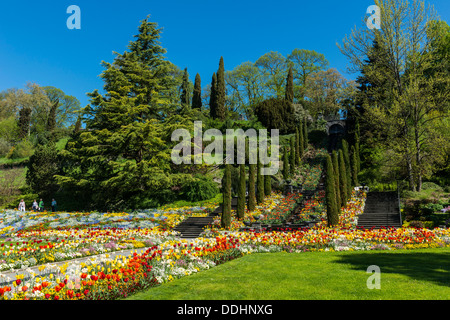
(289, 94)
(342, 179)
(226, 190)
(335, 160)
(240, 211)
(259, 183)
(330, 194)
(23, 149)
(286, 171)
(221, 111)
(276, 114)
(200, 188)
(43, 166)
(251, 187)
(197, 95)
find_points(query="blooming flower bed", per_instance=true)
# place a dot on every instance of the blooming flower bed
(31, 245)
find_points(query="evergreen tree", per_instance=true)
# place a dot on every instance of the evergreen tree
(221, 112)
(301, 140)
(354, 167)
(342, 179)
(251, 188)
(268, 183)
(24, 122)
(345, 150)
(51, 120)
(77, 127)
(289, 95)
(43, 165)
(213, 97)
(335, 159)
(305, 134)
(241, 193)
(259, 183)
(332, 209)
(124, 157)
(185, 91)
(292, 156)
(197, 96)
(297, 147)
(285, 164)
(226, 185)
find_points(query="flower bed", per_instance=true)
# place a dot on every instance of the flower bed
(164, 257)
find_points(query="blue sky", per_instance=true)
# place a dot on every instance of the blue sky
(36, 45)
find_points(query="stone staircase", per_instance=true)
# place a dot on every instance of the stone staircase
(381, 210)
(192, 227)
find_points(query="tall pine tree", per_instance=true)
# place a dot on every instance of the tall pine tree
(197, 95)
(226, 185)
(330, 195)
(241, 193)
(213, 97)
(185, 90)
(123, 157)
(221, 112)
(289, 95)
(251, 187)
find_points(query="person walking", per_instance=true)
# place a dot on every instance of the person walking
(22, 205)
(41, 205)
(35, 206)
(53, 205)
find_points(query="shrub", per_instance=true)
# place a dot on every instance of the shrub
(22, 150)
(5, 146)
(201, 188)
(431, 186)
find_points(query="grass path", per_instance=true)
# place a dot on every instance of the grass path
(405, 274)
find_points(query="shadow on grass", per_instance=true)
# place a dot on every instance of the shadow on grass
(423, 266)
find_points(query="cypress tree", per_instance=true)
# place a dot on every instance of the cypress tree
(332, 210)
(301, 140)
(251, 187)
(260, 184)
(285, 164)
(268, 183)
(185, 92)
(289, 95)
(221, 112)
(335, 159)
(51, 121)
(345, 150)
(342, 179)
(241, 193)
(77, 127)
(297, 147)
(292, 156)
(213, 97)
(24, 122)
(305, 134)
(226, 184)
(197, 95)
(354, 167)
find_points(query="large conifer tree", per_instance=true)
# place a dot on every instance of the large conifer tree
(332, 210)
(226, 185)
(197, 95)
(213, 97)
(251, 187)
(289, 95)
(122, 158)
(241, 192)
(221, 112)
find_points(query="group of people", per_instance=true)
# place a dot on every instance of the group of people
(35, 206)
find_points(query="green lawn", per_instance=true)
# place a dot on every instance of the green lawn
(405, 274)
